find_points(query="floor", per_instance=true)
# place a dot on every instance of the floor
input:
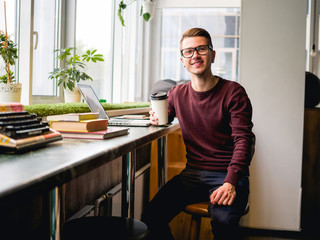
(180, 228)
(278, 238)
(267, 235)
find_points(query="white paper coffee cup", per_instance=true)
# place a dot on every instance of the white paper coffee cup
(159, 103)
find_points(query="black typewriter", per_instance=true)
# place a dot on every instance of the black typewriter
(21, 130)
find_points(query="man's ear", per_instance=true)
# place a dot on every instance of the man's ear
(182, 62)
(213, 56)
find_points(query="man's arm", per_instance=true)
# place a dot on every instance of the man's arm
(240, 110)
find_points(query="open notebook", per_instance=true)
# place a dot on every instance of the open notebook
(95, 106)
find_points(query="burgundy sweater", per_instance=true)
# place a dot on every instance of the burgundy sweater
(216, 127)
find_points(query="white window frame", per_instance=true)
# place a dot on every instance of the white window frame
(129, 49)
(233, 62)
(312, 34)
(25, 47)
(142, 56)
(152, 69)
(26, 44)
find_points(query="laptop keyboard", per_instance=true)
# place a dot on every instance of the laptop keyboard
(120, 121)
(129, 122)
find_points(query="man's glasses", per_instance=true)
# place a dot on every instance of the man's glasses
(201, 50)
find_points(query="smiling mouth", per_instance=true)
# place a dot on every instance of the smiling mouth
(197, 62)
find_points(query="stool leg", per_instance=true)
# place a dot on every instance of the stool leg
(194, 230)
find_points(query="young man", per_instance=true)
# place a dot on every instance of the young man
(215, 119)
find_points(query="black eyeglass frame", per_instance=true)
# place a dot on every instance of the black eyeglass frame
(195, 49)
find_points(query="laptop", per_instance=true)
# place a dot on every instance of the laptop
(94, 104)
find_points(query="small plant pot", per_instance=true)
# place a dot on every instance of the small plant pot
(10, 92)
(72, 96)
(148, 7)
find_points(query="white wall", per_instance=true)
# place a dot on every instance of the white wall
(272, 58)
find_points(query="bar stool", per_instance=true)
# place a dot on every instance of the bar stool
(197, 211)
(104, 227)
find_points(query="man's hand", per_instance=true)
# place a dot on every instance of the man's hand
(153, 119)
(223, 195)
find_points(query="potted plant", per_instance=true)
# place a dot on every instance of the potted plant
(72, 71)
(9, 90)
(146, 9)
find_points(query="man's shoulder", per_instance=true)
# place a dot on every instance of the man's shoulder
(230, 85)
(180, 88)
(232, 90)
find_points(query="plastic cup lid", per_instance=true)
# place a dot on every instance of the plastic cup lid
(158, 96)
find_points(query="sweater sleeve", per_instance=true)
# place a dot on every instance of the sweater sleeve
(240, 110)
(171, 109)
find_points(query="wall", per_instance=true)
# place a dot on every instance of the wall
(272, 69)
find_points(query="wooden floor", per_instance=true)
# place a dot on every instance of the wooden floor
(180, 228)
(278, 238)
(277, 235)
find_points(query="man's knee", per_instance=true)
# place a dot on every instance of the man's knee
(224, 215)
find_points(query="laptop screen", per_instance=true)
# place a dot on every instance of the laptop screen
(92, 100)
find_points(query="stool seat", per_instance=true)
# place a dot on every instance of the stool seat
(200, 208)
(100, 227)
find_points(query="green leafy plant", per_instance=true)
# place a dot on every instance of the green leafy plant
(73, 68)
(122, 6)
(9, 53)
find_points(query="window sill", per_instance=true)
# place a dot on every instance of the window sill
(43, 110)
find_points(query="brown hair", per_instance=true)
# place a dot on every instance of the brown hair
(197, 32)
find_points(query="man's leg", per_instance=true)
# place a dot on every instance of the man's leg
(171, 200)
(167, 203)
(225, 219)
(225, 223)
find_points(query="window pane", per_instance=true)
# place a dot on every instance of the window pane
(169, 37)
(94, 31)
(230, 22)
(221, 23)
(224, 63)
(171, 56)
(45, 29)
(11, 29)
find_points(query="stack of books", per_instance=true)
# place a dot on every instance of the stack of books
(20, 130)
(84, 125)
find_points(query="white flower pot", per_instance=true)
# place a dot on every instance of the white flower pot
(149, 6)
(72, 96)
(10, 92)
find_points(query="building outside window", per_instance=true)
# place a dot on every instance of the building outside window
(222, 23)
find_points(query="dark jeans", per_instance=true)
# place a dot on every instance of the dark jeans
(192, 186)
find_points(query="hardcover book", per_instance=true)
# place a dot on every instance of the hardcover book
(11, 107)
(110, 132)
(73, 117)
(80, 126)
(19, 144)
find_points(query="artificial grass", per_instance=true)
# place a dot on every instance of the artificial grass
(43, 110)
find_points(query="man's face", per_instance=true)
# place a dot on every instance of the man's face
(198, 64)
